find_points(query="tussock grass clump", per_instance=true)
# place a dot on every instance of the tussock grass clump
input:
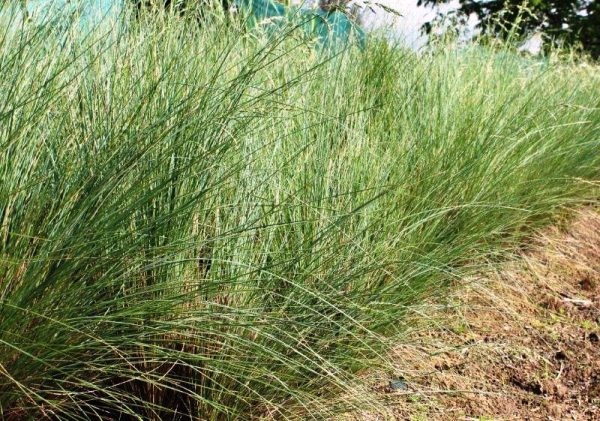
(204, 223)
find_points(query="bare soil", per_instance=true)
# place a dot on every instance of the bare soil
(520, 343)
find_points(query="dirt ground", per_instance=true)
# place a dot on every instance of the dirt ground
(520, 343)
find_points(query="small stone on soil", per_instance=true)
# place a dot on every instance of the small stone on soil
(560, 356)
(398, 384)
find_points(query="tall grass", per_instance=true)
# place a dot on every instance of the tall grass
(204, 223)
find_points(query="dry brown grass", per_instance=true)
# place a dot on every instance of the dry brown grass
(518, 343)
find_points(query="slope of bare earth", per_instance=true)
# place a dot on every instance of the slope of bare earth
(519, 343)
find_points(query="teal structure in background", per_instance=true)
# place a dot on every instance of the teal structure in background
(89, 11)
(331, 29)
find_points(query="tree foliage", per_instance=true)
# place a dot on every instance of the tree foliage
(574, 22)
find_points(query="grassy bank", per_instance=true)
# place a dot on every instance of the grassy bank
(203, 223)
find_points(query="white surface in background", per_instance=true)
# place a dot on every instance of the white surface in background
(533, 45)
(406, 28)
